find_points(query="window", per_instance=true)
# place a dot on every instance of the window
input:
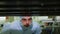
(2, 19)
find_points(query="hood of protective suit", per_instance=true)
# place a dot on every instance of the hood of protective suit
(23, 25)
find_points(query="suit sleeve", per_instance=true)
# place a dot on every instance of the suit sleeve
(38, 30)
(6, 29)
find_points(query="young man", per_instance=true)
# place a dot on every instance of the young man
(24, 26)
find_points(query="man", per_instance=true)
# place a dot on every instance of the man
(24, 26)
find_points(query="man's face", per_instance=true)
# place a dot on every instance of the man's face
(26, 21)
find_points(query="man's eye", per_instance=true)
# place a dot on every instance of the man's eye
(30, 19)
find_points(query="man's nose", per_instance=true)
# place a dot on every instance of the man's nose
(27, 22)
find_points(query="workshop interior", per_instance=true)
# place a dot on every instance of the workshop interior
(49, 24)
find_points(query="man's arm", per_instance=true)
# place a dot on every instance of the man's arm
(38, 30)
(5, 29)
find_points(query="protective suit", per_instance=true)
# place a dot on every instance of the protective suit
(17, 28)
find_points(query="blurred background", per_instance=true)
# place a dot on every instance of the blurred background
(49, 24)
